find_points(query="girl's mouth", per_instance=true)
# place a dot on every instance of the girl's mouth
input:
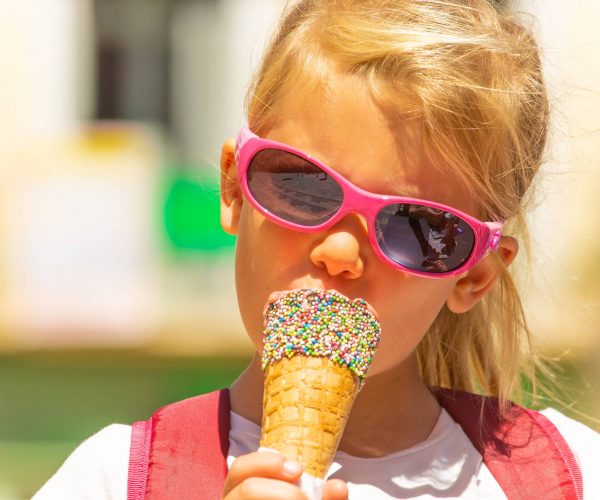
(280, 293)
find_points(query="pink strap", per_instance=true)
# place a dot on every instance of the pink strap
(181, 452)
(562, 448)
(524, 452)
(141, 435)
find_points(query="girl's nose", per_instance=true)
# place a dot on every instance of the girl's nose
(339, 253)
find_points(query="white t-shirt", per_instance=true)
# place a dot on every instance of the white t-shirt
(445, 465)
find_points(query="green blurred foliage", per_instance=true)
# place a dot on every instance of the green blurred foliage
(191, 213)
(52, 401)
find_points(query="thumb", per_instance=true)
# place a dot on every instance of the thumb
(335, 489)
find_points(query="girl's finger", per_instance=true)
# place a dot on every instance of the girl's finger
(335, 489)
(261, 464)
(261, 488)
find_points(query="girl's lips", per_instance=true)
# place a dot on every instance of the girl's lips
(276, 295)
(273, 297)
(280, 293)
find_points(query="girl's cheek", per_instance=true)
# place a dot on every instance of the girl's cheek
(404, 326)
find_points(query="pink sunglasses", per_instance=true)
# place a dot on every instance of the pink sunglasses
(420, 237)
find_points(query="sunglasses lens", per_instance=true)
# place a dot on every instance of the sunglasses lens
(293, 188)
(424, 238)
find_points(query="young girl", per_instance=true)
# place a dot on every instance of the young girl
(427, 120)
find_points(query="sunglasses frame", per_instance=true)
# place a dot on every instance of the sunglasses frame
(357, 200)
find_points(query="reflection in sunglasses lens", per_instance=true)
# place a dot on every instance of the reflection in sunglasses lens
(423, 238)
(293, 188)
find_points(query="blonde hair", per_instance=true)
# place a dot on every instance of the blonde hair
(472, 75)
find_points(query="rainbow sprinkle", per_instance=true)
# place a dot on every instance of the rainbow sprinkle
(321, 323)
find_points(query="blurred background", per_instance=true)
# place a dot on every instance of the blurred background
(116, 282)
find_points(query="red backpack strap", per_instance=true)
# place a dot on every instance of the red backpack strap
(181, 451)
(139, 454)
(524, 452)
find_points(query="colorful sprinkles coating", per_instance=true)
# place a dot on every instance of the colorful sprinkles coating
(321, 323)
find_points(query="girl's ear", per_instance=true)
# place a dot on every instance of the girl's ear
(474, 284)
(231, 195)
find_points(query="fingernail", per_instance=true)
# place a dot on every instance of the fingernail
(292, 467)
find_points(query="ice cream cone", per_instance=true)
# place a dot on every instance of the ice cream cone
(307, 402)
(318, 347)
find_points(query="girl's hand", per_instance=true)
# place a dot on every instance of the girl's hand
(265, 476)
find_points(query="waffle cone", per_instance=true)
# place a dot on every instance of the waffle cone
(307, 401)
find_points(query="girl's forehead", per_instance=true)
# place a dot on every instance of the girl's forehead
(341, 124)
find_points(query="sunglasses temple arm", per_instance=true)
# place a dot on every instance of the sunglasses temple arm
(243, 137)
(495, 233)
